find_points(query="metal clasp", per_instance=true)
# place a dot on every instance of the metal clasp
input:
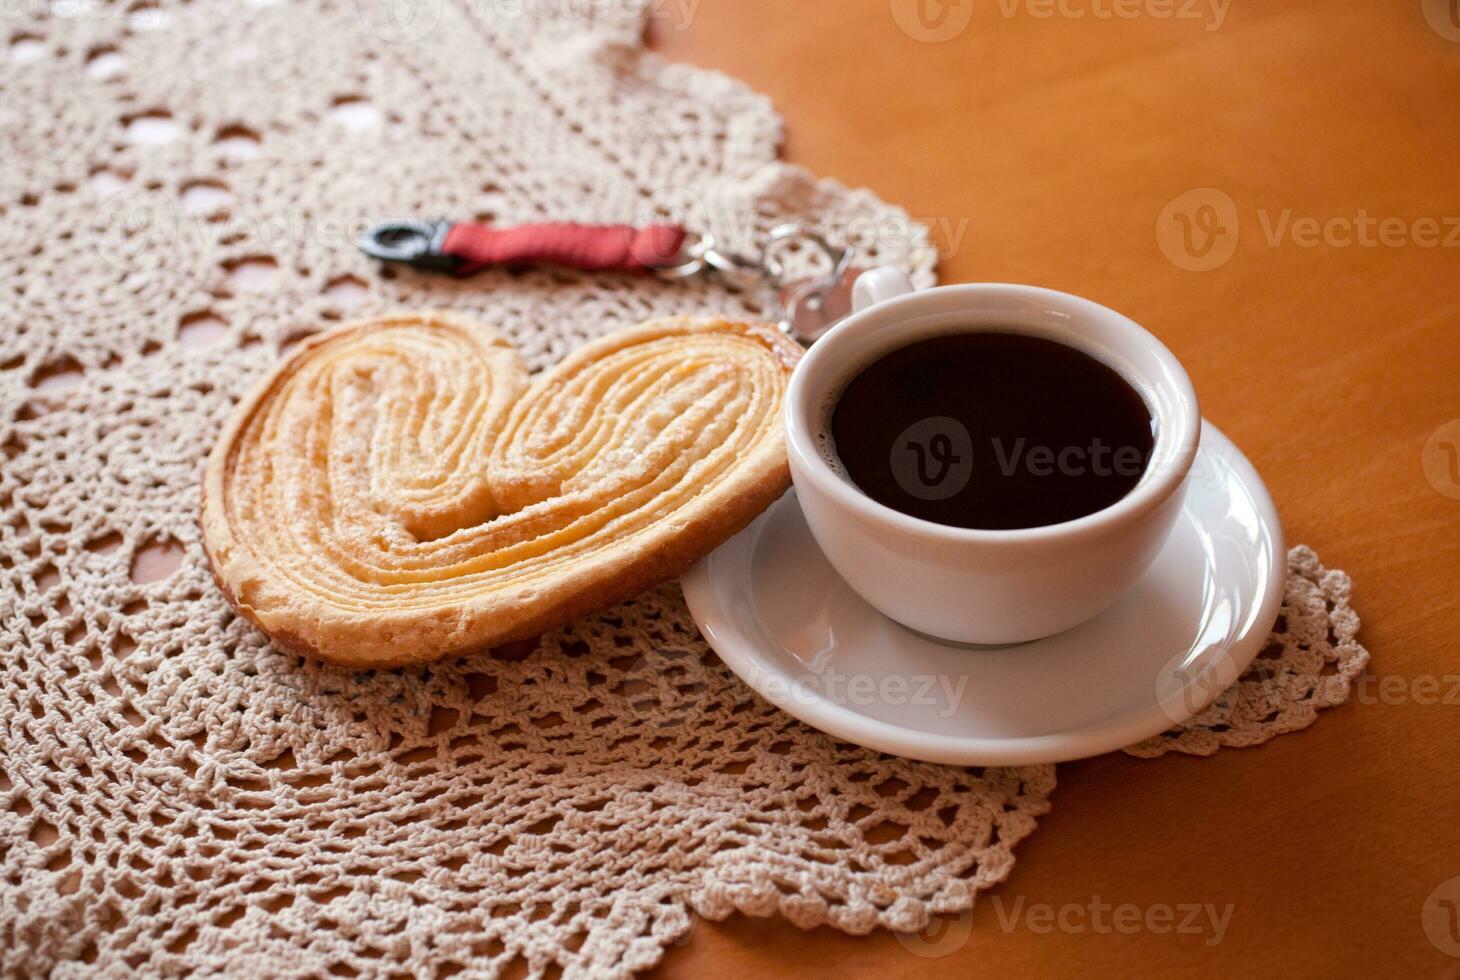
(416, 243)
(804, 308)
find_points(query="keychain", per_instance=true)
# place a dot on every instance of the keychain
(805, 308)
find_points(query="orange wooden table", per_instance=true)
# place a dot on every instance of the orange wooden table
(1313, 291)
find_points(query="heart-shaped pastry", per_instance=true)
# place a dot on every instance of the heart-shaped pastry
(399, 490)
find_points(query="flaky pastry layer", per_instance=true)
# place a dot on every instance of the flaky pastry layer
(399, 490)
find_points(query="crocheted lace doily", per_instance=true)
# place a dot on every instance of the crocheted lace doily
(179, 190)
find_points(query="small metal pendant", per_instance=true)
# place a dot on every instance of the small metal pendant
(811, 307)
(803, 308)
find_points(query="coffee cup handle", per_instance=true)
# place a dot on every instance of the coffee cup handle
(876, 285)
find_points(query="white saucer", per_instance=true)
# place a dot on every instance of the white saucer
(775, 611)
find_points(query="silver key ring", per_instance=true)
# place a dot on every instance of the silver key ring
(703, 254)
(841, 258)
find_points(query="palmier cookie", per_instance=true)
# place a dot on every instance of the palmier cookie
(400, 490)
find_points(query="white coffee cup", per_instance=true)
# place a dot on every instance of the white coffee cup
(975, 586)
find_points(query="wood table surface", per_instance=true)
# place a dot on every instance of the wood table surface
(1313, 292)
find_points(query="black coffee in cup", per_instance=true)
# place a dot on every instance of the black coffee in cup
(992, 430)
